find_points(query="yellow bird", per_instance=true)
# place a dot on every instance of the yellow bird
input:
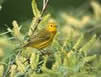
(43, 38)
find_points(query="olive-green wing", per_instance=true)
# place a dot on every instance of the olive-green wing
(40, 37)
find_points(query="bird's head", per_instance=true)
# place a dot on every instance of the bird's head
(52, 27)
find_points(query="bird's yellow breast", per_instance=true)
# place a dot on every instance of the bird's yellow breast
(44, 43)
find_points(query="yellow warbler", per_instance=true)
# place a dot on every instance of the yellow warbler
(43, 38)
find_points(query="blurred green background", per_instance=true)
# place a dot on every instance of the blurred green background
(21, 10)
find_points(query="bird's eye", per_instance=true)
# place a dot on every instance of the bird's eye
(51, 25)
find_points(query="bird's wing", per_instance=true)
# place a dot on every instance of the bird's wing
(40, 37)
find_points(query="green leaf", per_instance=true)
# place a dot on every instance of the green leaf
(86, 47)
(90, 58)
(35, 9)
(78, 43)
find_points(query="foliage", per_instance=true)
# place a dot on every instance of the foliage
(69, 53)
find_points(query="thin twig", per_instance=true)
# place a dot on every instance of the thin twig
(44, 7)
(43, 3)
(38, 20)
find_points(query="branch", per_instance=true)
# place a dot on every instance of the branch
(45, 4)
(37, 20)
